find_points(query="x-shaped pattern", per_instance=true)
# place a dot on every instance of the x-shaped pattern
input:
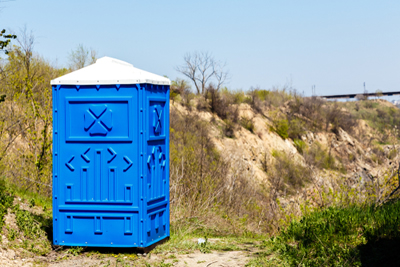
(98, 120)
(157, 117)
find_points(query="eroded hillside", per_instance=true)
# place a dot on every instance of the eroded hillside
(296, 146)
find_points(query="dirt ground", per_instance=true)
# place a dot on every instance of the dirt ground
(213, 259)
(64, 258)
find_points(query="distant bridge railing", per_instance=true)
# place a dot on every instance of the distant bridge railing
(377, 94)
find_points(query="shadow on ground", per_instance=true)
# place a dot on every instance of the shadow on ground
(117, 250)
(383, 252)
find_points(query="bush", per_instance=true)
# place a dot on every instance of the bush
(221, 104)
(308, 108)
(378, 154)
(6, 200)
(281, 127)
(351, 236)
(207, 190)
(393, 153)
(300, 145)
(229, 128)
(296, 128)
(380, 117)
(337, 118)
(319, 157)
(287, 174)
(180, 90)
(34, 228)
(262, 94)
(247, 123)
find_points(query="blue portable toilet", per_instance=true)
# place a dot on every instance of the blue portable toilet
(110, 156)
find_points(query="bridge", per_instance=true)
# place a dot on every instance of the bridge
(377, 94)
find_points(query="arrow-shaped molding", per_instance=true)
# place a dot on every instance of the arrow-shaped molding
(113, 154)
(85, 157)
(129, 163)
(69, 165)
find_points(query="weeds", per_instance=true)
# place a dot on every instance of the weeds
(6, 199)
(12, 234)
(338, 236)
(287, 174)
(203, 245)
(300, 145)
(281, 127)
(75, 251)
(36, 238)
(317, 156)
(247, 123)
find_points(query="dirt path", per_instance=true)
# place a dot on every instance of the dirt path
(213, 259)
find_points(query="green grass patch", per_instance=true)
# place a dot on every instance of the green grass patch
(248, 124)
(37, 230)
(351, 236)
(33, 198)
(6, 200)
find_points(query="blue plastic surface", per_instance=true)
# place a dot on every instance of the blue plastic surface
(110, 165)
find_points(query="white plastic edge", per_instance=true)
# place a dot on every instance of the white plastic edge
(93, 82)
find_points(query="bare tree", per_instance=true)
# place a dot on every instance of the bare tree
(81, 57)
(202, 69)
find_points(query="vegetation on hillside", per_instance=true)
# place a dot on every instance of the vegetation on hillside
(314, 212)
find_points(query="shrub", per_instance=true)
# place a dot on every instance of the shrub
(6, 200)
(264, 162)
(319, 157)
(281, 127)
(337, 118)
(255, 102)
(33, 227)
(377, 154)
(310, 108)
(180, 89)
(262, 94)
(300, 145)
(393, 153)
(247, 123)
(229, 128)
(220, 103)
(296, 128)
(351, 236)
(205, 185)
(287, 173)
(277, 97)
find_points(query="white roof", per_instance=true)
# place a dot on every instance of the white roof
(109, 70)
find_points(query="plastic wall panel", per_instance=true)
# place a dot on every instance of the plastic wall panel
(157, 167)
(110, 165)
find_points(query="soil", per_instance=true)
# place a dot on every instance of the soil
(213, 259)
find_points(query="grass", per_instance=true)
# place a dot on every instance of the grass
(33, 198)
(6, 200)
(380, 117)
(184, 242)
(350, 236)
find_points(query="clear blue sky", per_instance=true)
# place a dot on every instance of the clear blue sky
(336, 45)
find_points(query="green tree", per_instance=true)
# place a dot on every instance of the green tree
(5, 40)
(26, 116)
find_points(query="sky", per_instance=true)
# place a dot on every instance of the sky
(334, 45)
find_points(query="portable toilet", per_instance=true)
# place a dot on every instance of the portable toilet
(110, 156)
